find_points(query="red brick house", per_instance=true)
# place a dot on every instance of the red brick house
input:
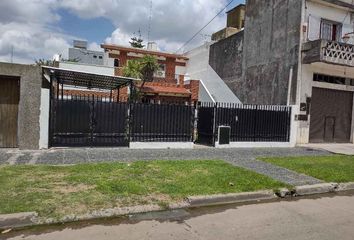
(169, 85)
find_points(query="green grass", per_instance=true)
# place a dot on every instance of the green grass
(336, 168)
(54, 191)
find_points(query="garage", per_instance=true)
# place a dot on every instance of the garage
(331, 116)
(9, 101)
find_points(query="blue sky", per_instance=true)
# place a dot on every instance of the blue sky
(46, 27)
(92, 30)
(96, 29)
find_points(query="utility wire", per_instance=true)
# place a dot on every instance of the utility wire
(222, 10)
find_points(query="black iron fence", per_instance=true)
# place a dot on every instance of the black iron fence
(161, 123)
(248, 123)
(93, 121)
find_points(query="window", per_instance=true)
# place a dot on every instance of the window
(100, 57)
(332, 79)
(94, 56)
(116, 62)
(331, 31)
(161, 72)
(162, 67)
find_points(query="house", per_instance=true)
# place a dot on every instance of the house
(296, 52)
(170, 83)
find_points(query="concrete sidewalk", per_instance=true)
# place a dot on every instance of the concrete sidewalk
(239, 157)
(345, 149)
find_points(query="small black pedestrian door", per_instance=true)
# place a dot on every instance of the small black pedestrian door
(88, 121)
(206, 124)
(331, 116)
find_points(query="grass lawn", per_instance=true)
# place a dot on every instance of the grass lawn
(54, 191)
(336, 168)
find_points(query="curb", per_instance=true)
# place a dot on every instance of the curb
(345, 187)
(203, 201)
(20, 220)
(316, 189)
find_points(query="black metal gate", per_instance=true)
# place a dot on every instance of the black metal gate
(248, 123)
(161, 123)
(206, 123)
(88, 121)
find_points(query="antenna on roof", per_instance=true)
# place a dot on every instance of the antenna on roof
(150, 18)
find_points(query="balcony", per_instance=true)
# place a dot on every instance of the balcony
(328, 52)
(165, 77)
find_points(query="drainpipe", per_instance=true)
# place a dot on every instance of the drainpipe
(290, 84)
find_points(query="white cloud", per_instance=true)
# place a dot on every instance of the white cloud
(94, 46)
(30, 42)
(173, 22)
(30, 25)
(118, 37)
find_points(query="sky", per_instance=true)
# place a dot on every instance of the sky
(38, 29)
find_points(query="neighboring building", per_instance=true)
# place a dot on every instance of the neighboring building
(212, 87)
(295, 52)
(235, 23)
(80, 54)
(20, 105)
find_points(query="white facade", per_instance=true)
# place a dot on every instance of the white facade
(95, 69)
(212, 87)
(313, 14)
(317, 10)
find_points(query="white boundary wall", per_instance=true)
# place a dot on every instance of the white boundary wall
(44, 119)
(161, 145)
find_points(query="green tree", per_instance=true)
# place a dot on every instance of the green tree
(149, 65)
(132, 69)
(144, 69)
(43, 62)
(136, 42)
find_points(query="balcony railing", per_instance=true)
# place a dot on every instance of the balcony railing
(329, 52)
(339, 53)
(171, 78)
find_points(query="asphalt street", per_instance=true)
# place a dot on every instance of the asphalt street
(327, 217)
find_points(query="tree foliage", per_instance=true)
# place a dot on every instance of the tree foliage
(43, 62)
(149, 66)
(133, 69)
(136, 42)
(142, 68)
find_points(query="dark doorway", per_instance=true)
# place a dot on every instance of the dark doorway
(331, 116)
(9, 100)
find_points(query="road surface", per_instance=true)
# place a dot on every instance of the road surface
(329, 217)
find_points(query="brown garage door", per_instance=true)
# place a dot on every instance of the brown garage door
(331, 116)
(9, 99)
